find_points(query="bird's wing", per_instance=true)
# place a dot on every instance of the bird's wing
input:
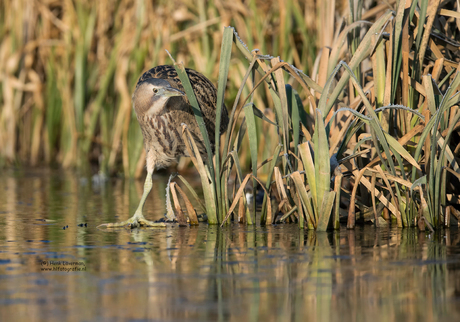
(205, 92)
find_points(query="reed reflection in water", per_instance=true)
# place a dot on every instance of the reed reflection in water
(238, 273)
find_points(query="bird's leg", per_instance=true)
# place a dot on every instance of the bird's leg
(138, 218)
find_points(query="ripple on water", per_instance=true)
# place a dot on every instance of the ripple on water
(206, 273)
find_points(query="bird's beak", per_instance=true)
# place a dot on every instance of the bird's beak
(170, 92)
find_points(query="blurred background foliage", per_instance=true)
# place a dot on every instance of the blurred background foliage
(68, 68)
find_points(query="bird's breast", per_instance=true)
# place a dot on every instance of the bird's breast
(162, 139)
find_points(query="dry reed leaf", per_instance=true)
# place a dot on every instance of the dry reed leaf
(379, 195)
(395, 200)
(281, 190)
(179, 213)
(238, 195)
(190, 210)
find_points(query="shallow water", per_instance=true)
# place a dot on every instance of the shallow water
(238, 273)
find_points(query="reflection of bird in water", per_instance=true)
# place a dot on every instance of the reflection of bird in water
(161, 107)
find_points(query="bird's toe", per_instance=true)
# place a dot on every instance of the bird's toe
(147, 223)
(134, 222)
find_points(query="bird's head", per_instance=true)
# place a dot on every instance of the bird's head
(151, 96)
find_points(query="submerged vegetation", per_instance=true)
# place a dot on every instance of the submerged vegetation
(368, 131)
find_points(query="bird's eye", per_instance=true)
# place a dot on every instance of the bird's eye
(155, 90)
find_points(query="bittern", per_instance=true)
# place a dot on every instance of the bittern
(162, 107)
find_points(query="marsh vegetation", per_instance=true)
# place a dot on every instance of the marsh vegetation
(365, 129)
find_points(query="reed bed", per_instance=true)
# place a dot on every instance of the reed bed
(381, 138)
(365, 131)
(68, 69)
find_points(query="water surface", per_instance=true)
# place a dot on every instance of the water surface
(239, 273)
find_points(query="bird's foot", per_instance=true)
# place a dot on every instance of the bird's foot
(166, 220)
(135, 221)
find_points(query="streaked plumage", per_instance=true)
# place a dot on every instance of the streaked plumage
(161, 107)
(161, 123)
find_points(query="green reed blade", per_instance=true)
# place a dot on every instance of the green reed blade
(54, 107)
(232, 121)
(226, 52)
(206, 178)
(393, 143)
(420, 30)
(326, 210)
(397, 44)
(180, 69)
(322, 163)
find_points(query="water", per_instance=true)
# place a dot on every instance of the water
(239, 273)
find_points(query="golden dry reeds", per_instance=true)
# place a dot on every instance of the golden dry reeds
(67, 68)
